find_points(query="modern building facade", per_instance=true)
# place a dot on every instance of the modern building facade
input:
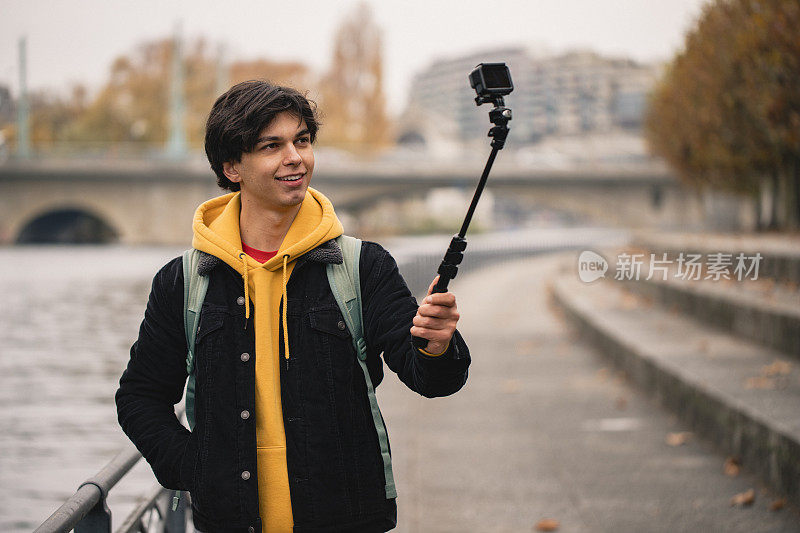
(558, 95)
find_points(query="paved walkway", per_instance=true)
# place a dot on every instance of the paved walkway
(546, 429)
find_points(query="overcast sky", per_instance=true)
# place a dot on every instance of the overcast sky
(72, 41)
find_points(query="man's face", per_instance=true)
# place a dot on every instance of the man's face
(276, 174)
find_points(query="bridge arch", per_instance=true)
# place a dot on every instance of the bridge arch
(66, 224)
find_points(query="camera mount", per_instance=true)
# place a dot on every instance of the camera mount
(491, 81)
(499, 116)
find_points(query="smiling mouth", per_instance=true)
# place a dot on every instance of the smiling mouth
(293, 177)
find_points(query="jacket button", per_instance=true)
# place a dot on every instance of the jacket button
(245, 414)
(341, 325)
(240, 300)
(245, 357)
(245, 475)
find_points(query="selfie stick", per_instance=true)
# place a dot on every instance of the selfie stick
(491, 81)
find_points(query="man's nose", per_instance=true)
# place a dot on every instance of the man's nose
(291, 156)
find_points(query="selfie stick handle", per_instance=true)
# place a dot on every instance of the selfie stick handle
(448, 268)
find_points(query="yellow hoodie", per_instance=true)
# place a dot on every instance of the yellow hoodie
(216, 231)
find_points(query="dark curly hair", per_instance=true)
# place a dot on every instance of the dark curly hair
(239, 116)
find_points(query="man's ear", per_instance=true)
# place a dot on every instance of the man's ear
(231, 171)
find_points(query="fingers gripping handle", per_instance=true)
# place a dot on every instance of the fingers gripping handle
(447, 271)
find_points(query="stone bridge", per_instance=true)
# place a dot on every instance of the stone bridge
(151, 202)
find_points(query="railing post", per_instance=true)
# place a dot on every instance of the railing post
(98, 520)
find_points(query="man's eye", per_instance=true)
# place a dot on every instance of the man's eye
(270, 146)
(303, 140)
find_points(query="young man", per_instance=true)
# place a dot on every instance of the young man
(284, 438)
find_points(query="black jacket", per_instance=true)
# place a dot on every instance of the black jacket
(336, 477)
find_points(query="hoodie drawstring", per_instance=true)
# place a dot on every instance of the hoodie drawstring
(246, 268)
(243, 257)
(285, 305)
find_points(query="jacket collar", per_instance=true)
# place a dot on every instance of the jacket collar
(328, 252)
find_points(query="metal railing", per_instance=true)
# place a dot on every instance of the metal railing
(87, 511)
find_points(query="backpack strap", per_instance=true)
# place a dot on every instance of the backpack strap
(195, 287)
(194, 292)
(345, 283)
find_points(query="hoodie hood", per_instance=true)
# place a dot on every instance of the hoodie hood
(216, 230)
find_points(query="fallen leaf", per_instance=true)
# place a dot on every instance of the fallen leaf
(629, 301)
(759, 382)
(731, 467)
(744, 498)
(563, 348)
(547, 524)
(777, 368)
(679, 438)
(777, 505)
(525, 347)
(511, 386)
(703, 345)
(621, 403)
(602, 374)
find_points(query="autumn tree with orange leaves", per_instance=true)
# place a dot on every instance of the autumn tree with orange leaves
(726, 114)
(293, 74)
(131, 111)
(132, 108)
(352, 99)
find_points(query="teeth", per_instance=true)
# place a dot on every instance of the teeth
(295, 178)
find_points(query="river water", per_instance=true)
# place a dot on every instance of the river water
(68, 316)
